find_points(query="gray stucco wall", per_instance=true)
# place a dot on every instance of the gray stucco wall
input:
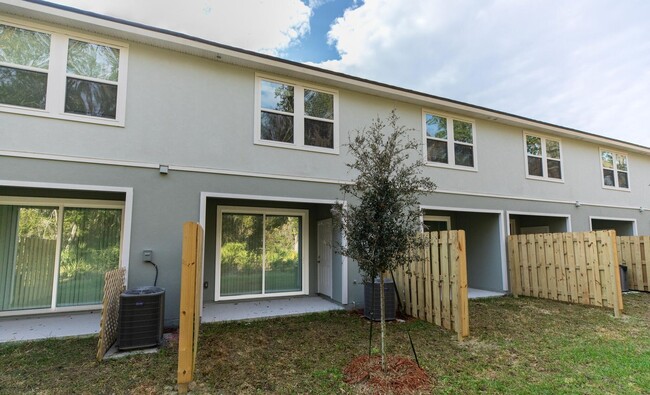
(161, 204)
(189, 111)
(483, 246)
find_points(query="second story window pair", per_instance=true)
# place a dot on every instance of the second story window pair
(294, 115)
(543, 157)
(46, 72)
(615, 170)
(450, 141)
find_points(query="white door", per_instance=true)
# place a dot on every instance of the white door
(325, 257)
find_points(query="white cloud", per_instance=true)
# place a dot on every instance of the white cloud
(264, 26)
(583, 64)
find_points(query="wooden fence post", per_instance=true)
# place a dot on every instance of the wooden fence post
(463, 299)
(616, 288)
(513, 265)
(190, 305)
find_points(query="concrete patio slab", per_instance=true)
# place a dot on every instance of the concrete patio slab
(474, 293)
(50, 326)
(255, 309)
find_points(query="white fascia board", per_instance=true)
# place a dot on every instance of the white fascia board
(204, 48)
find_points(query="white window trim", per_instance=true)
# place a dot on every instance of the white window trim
(60, 205)
(567, 217)
(545, 177)
(304, 214)
(602, 177)
(635, 230)
(57, 73)
(298, 115)
(438, 218)
(451, 156)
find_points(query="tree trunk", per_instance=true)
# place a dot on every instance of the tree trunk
(382, 302)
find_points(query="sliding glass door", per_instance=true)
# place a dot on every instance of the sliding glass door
(56, 256)
(27, 256)
(90, 247)
(260, 251)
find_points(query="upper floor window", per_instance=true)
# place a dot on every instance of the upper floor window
(24, 67)
(615, 169)
(450, 141)
(47, 72)
(296, 116)
(543, 157)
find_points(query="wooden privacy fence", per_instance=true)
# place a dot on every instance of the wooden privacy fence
(433, 287)
(190, 310)
(634, 252)
(572, 267)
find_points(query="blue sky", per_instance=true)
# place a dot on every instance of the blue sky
(313, 46)
(583, 64)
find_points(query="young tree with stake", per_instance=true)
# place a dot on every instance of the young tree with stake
(383, 223)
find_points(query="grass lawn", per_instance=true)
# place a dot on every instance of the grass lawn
(518, 346)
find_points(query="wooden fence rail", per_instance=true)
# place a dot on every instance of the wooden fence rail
(634, 252)
(433, 287)
(572, 267)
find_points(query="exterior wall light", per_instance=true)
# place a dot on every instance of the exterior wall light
(164, 169)
(578, 204)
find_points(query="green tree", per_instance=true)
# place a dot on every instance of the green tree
(382, 226)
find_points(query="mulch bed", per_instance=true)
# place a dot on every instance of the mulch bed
(402, 376)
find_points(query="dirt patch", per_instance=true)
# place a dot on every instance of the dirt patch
(402, 376)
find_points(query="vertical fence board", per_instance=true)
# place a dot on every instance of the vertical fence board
(428, 249)
(581, 266)
(642, 272)
(414, 288)
(593, 271)
(420, 283)
(532, 270)
(617, 295)
(444, 278)
(572, 276)
(514, 268)
(605, 272)
(550, 266)
(531, 273)
(406, 288)
(560, 271)
(626, 244)
(453, 281)
(463, 299)
(540, 265)
(435, 267)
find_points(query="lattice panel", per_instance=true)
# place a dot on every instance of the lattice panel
(113, 287)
